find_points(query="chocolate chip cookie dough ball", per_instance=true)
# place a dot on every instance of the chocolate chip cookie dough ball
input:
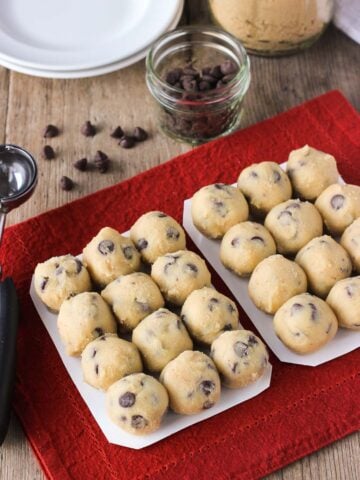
(293, 224)
(350, 240)
(274, 281)
(311, 171)
(160, 337)
(192, 382)
(339, 206)
(264, 185)
(59, 278)
(344, 299)
(305, 323)
(218, 207)
(109, 255)
(325, 262)
(179, 273)
(137, 403)
(207, 313)
(156, 234)
(240, 357)
(132, 297)
(82, 319)
(244, 246)
(107, 359)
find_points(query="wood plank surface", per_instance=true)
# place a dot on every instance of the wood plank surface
(27, 104)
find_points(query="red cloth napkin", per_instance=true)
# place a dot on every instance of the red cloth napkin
(305, 408)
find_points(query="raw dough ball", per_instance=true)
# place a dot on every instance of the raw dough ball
(264, 185)
(82, 319)
(109, 255)
(207, 313)
(350, 240)
(244, 246)
(156, 234)
(179, 273)
(275, 280)
(192, 382)
(339, 206)
(160, 337)
(59, 278)
(218, 207)
(325, 262)
(133, 297)
(305, 323)
(107, 359)
(137, 403)
(293, 224)
(344, 299)
(311, 171)
(240, 356)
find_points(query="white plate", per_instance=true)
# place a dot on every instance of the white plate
(85, 73)
(80, 34)
(344, 342)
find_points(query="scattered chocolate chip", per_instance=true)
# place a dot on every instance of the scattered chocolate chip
(258, 239)
(106, 246)
(296, 307)
(173, 76)
(252, 340)
(172, 233)
(207, 386)
(212, 302)
(327, 331)
(78, 264)
(127, 142)
(48, 152)
(142, 244)
(293, 205)
(227, 327)
(123, 418)
(208, 405)
(128, 252)
(253, 174)
(99, 331)
(88, 129)
(228, 67)
(231, 308)
(97, 369)
(178, 324)
(59, 270)
(204, 86)
(337, 202)
(127, 400)
(220, 186)
(103, 338)
(241, 349)
(190, 85)
(235, 242)
(66, 183)
(234, 367)
(161, 215)
(349, 290)
(138, 422)
(216, 72)
(117, 133)
(101, 161)
(314, 312)
(140, 134)
(285, 217)
(94, 352)
(143, 306)
(50, 131)
(81, 164)
(191, 268)
(44, 283)
(276, 176)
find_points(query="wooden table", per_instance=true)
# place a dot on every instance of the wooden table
(27, 104)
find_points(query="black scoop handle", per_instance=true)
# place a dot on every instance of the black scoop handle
(9, 314)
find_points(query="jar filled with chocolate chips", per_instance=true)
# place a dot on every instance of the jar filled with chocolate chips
(199, 77)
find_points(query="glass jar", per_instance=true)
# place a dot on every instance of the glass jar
(273, 27)
(190, 54)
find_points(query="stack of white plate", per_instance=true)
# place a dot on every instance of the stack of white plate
(81, 38)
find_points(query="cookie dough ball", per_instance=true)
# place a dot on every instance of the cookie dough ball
(311, 171)
(59, 278)
(344, 299)
(240, 357)
(264, 185)
(109, 255)
(207, 313)
(82, 319)
(160, 337)
(293, 224)
(218, 207)
(192, 382)
(339, 206)
(132, 297)
(137, 403)
(107, 359)
(156, 234)
(305, 323)
(350, 240)
(275, 280)
(325, 262)
(179, 273)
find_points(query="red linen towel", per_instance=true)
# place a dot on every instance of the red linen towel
(305, 408)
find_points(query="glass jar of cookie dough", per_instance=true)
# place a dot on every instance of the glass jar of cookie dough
(273, 27)
(198, 77)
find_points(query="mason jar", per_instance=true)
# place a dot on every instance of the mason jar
(187, 74)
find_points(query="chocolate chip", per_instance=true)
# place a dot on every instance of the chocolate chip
(78, 264)
(127, 400)
(349, 290)
(101, 161)
(59, 271)
(190, 85)
(103, 338)
(206, 70)
(235, 242)
(66, 183)
(337, 202)
(191, 268)
(276, 176)
(327, 331)
(212, 302)
(258, 239)
(241, 349)
(191, 71)
(253, 174)
(48, 152)
(210, 79)
(97, 369)
(204, 86)
(296, 307)
(106, 246)
(44, 283)
(220, 186)
(178, 324)
(228, 67)
(173, 76)
(127, 142)
(252, 340)
(117, 133)
(231, 308)
(128, 252)
(172, 233)
(50, 131)
(234, 367)
(138, 422)
(285, 217)
(228, 78)
(314, 312)
(143, 306)
(227, 327)
(161, 215)
(208, 405)
(293, 205)
(94, 352)
(207, 387)
(81, 164)
(140, 134)
(216, 72)
(99, 331)
(88, 129)
(142, 244)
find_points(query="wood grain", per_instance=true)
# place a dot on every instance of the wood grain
(27, 104)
